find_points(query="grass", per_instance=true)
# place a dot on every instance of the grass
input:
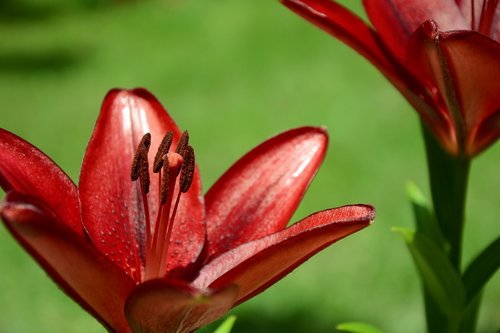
(235, 73)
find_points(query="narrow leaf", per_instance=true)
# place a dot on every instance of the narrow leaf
(358, 328)
(424, 216)
(438, 275)
(226, 325)
(481, 269)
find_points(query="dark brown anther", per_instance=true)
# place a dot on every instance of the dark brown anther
(144, 172)
(164, 181)
(187, 171)
(142, 150)
(162, 151)
(183, 143)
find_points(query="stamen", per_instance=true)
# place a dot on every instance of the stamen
(164, 181)
(187, 171)
(144, 173)
(169, 166)
(473, 15)
(488, 12)
(162, 151)
(182, 144)
(136, 163)
(140, 170)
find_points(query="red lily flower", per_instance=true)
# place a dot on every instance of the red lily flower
(168, 260)
(450, 77)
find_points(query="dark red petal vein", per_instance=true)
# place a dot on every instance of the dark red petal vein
(423, 60)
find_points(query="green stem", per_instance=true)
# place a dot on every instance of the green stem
(448, 176)
(469, 320)
(437, 321)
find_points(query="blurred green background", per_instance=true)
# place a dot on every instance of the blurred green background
(234, 73)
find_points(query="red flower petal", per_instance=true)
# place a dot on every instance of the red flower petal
(346, 26)
(259, 194)
(472, 61)
(257, 265)
(112, 209)
(396, 20)
(462, 66)
(69, 259)
(488, 129)
(423, 60)
(25, 169)
(162, 306)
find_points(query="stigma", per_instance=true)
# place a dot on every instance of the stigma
(174, 169)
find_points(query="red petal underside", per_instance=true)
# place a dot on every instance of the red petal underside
(257, 265)
(112, 209)
(346, 26)
(258, 195)
(396, 20)
(424, 61)
(473, 62)
(489, 128)
(162, 306)
(70, 260)
(463, 68)
(25, 169)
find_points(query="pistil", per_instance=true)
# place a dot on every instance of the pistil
(140, 170)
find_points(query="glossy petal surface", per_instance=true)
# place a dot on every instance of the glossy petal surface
(259, 194)
(256, 265)
(25, 169)
(162, 306)
(112, 208)
(69, 259)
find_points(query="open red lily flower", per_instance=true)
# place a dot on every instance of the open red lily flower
(444, 57)
(147, 253)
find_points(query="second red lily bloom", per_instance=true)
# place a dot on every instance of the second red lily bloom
(444, 57)
(221, 250)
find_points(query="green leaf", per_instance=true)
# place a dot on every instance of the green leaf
(448, 175)
(424, 216)
(226, 325)
(437, 273)
(358, 328)
(482, 269)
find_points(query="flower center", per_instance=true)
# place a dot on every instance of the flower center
(169, 166)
